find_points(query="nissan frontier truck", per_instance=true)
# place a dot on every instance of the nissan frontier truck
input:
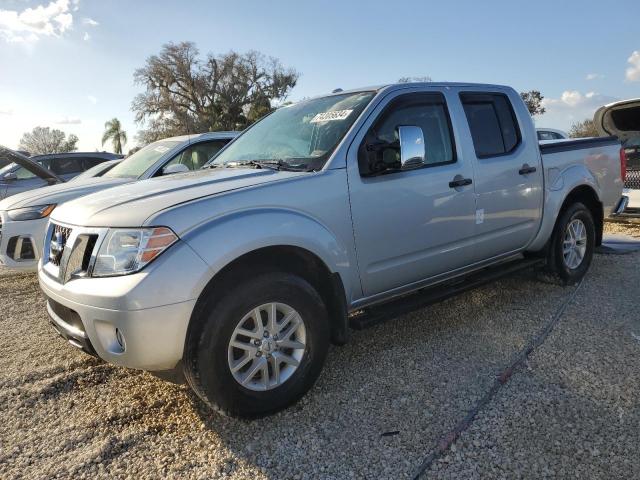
(241, 275)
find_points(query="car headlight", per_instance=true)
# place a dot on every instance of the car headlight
(31, 213)
(127, 250)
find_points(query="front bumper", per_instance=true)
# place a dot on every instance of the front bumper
(137, 321)
(21, 243)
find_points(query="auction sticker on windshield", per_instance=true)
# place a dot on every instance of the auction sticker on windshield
(330, 116)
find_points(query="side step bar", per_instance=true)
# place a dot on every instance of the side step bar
(374, 315)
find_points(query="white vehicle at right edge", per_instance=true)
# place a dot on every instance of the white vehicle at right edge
(622, 119)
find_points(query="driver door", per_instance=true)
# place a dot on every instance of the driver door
(410, 225)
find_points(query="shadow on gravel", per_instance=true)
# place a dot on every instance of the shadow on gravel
(376, 410)
(385, 398)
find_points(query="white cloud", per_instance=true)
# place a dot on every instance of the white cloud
(574, 99)
(6, 111)
(30, 24)
(86, 37)
(92, 99)
(594, 76)
(633, 72)
(571, 106)
(90, 22)
(68, 121)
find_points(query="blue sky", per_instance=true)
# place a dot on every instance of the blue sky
(69, 64)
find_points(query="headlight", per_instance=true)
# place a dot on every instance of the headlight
(31, 213)
(126, 250)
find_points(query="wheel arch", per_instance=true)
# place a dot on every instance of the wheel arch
(586, 195)
(291, 259)
(574, 185)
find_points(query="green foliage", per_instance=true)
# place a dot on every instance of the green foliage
(585, 128)
(185, 93)
(43, 140)
(113, 131)
(533, 100)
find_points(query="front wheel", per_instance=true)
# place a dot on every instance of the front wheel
(573, 244)
(259, 347)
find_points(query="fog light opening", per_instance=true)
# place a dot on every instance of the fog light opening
(120, 339)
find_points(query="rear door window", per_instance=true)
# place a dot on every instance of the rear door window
(67, 166)
(492, 122)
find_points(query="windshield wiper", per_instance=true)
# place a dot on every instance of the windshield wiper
(272, 164)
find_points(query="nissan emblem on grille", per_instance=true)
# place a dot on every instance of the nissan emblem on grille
(58, 240)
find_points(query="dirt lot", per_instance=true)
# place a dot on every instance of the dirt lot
(380, 408)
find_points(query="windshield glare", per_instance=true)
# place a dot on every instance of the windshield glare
(8, 168)
(301, 135)
(138, 163)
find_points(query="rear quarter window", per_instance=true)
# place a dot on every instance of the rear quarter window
(492, 122)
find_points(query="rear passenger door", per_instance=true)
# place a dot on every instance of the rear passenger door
(508, 174)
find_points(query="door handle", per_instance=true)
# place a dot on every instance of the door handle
(526, 169)
(461, 182)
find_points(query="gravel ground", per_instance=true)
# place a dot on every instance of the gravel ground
(571, 411)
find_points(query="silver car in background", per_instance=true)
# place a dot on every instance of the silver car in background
(23, 217)
(17, 177)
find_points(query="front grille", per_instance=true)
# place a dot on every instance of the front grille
(70, 251)
(78, 262)
(59, 238)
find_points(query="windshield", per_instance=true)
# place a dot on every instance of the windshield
(8, 168)
(97, 171)
(21, 172)
(138, 163)
(301, 135)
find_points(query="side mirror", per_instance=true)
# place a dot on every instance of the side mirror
(412, 150)
(10, 177)
(175, 168)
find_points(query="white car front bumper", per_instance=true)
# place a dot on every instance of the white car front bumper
(21, 243)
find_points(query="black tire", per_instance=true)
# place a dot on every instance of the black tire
(555, 260)
(206, 363)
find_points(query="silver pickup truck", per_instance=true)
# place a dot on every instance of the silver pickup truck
(241, 275)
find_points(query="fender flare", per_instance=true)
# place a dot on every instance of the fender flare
(221, 240)
(559, 187)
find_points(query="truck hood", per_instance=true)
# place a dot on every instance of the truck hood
(131, 205)
(621, 119)
(60, 193)
(38, 170)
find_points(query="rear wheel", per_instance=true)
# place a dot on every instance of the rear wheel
(259, 347)
(573, 243)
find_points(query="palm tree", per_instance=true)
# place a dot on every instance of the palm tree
(113, 131)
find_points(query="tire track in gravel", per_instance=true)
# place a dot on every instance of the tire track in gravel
(446, 441)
